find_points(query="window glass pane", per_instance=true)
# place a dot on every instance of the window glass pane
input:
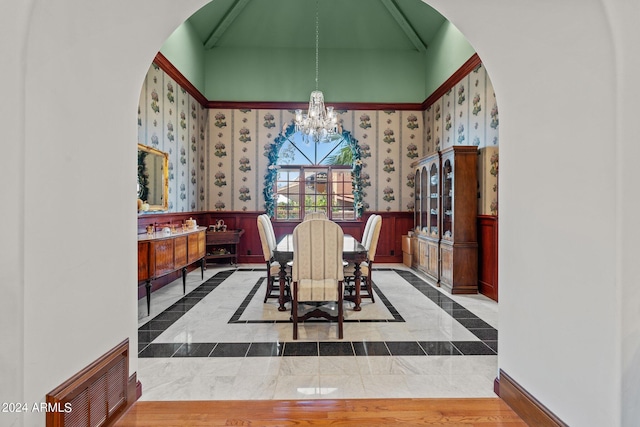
(303, 187)
(315, 190)
(342, 194)
(337, 153)
(288, 191)
(290, 154)
(306, 149)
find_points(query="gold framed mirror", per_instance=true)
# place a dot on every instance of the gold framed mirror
(153, 178)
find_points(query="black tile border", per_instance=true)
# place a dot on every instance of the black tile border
(318, 348)
(478, 327)
(147, 333)
(235, 318)
(265, 349)
(335, 348)
(371, 348)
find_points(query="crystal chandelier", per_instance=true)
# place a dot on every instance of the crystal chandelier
(320, 123)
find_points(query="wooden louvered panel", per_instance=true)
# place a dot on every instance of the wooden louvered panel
(98, 401)
(79, 416)
(95, 396)
(117, 384)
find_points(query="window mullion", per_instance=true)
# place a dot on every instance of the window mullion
(329, 193)
(302, 192)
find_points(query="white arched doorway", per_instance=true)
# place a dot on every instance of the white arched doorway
(73, 57)
(224, 120)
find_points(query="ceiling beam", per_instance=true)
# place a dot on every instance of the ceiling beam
(226, 22)
(405, 25)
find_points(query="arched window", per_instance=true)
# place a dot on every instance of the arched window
(307, 176)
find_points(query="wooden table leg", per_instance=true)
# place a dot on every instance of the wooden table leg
(283, 275)
(184, 280)
(147, 286)
(357, 284)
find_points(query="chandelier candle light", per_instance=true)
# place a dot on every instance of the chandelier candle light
(320, 123)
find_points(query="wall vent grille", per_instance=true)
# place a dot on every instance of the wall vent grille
(95, 396)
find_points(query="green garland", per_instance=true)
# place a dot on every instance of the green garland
(143, 176)
(270, 176)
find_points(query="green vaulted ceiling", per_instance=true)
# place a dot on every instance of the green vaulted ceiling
(264, 50)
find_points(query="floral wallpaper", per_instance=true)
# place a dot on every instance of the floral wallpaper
(240, 139)
(468, 115)
(218, 157)
(171, 120)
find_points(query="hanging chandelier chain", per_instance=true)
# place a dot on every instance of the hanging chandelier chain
(319, 122)
(317, 39)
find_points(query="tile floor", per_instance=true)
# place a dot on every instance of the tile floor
(220, 341)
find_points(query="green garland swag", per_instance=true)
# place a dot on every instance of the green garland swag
(270, 176)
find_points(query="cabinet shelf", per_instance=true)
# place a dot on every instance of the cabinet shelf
(223, 240)
(219, 256)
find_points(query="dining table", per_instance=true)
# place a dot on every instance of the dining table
(352, 251)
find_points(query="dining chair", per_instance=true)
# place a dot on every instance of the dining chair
(314, 215)
(367, 228)
(370, 244)
(317, 272)
(268, 240)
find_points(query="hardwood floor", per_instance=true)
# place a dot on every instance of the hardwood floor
(483, 412)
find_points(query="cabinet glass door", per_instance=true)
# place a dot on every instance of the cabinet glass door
(447, 199)
(424, 199)
(433, 200)
(416, 203)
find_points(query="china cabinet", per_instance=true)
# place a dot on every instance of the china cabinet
(459, 243)
(428, 230)
(445, 218)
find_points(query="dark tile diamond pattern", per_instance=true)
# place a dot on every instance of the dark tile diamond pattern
(147, 333)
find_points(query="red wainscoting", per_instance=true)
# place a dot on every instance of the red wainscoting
(394, 226)
(389, 250)
(488, 256)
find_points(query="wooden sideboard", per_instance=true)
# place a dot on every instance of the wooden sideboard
(160, 255)
(394, 225)
(249, 249)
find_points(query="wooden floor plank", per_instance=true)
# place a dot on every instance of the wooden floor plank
(486, 412)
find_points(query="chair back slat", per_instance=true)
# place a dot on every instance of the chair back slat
(272, 234)
(372, 239)
(367, 228)
(265, 239)
(317, 251)
(314, 215)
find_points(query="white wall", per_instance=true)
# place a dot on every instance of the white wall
(565, 248)
(568, 251)
(623, 17)
(70, 280)
(13, 29)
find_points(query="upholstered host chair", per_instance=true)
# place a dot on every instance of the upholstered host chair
(314, 215)
(268, 240)
(317, 272)
(370, 244)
